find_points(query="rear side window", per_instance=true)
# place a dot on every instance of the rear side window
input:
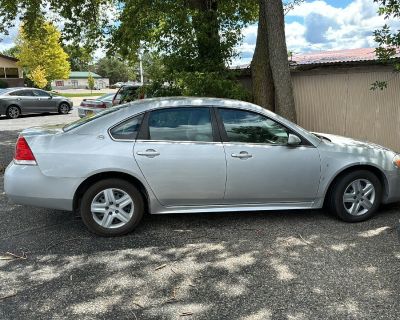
(41, 93)
(181, 124)
(22, 93)
(127, 130)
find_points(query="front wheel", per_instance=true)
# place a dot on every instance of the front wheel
(356, 196)
(112, 207)
(63, 108)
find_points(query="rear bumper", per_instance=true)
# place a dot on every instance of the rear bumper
(82, 111)
(27, 185)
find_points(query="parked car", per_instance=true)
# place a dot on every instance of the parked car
(89, 107)
(17, 101)
(174, 155)
(116, 85)
(126, 93)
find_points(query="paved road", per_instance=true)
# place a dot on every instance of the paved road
(264, 265)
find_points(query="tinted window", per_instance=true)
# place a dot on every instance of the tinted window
(127, 130)
(181, 124)
(41, 93)
(22, 93)
(126, 94)
(245, 126)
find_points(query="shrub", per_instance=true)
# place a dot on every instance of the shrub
(3, 84)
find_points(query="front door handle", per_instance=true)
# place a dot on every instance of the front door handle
(242, 155)
(150, 153)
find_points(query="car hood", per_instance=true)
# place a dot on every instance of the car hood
(344, 142)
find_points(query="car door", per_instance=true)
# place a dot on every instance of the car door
(181, 156)
(45, 102)
(261, 167)
(25, 99)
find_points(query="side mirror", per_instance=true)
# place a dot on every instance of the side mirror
(293, 140)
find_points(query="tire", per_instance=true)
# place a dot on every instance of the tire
(353, 199)
(111, 225)
(13, 112)
(63, 108)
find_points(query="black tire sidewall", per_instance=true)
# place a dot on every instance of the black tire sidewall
(336, 200)
(93, 190)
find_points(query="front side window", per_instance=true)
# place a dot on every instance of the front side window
(127, 130)
(41, 93)
(250, 127)
(181, 124)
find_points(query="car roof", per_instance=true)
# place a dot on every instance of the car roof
(128, 110)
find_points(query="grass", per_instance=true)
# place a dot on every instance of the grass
(74, 95)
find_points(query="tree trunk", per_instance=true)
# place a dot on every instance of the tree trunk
(278, 57)
(206, 26)
(261, 75)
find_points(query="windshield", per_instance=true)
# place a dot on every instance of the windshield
(84, 120)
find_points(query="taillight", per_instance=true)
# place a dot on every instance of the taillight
(103, 105)
(23, 153)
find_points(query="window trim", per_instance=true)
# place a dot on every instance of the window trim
(142, 114)
(144, 131)
(225, 139)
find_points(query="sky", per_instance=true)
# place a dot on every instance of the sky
(319, 25)
(315, 25)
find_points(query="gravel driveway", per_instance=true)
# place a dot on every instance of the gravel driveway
(263, 265)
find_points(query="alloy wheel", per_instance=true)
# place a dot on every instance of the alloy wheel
(359, 197)
(112, 208)
(13, 112)
(64, 108)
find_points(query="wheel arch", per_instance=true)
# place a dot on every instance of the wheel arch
(105, 175)
(375, 170)
(14, 104)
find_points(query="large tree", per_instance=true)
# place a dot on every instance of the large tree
(116, 69)
(41, 53)
(272, 84)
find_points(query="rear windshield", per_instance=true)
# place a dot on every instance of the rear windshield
(84, 120)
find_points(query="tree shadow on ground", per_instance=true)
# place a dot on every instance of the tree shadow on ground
(250, 265)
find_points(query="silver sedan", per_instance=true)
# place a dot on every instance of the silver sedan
(173, 155)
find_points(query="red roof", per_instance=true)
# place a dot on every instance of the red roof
(337, 56)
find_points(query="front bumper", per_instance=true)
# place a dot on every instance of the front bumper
(392, 187)
(24, 184)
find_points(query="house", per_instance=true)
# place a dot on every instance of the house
(79, 80)
(10, 72)
(332, 91)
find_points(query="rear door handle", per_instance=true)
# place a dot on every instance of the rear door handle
(242, 155)
(150, 153)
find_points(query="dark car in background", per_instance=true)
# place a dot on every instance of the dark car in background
(17, 101)
(127, 93)
(89, 107)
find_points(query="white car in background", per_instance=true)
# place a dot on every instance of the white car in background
(90, 107)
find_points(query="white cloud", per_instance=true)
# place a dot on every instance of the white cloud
(320, 26)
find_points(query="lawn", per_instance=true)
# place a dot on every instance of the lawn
(74, 95)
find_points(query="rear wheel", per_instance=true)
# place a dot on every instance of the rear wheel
(112, 207)
(63, 108)
(13, 112)
(356, 196)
